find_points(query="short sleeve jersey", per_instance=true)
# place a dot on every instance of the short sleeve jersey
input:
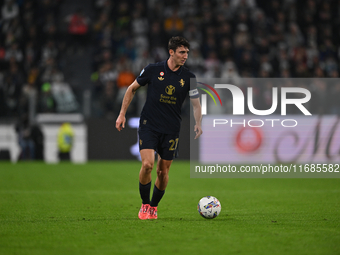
(166, 93)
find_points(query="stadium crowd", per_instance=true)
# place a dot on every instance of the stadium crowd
(230, 39)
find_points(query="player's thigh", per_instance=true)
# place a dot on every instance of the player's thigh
(163, 165)
(148, 141)
(148, 158)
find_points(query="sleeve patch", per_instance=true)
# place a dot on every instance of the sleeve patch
(193, 92)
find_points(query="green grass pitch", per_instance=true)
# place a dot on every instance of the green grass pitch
(92, 209)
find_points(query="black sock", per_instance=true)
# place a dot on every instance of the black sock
(156, 196)
(144, 191)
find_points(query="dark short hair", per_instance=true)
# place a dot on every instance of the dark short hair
(176, 42)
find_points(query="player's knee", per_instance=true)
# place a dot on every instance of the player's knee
(162, 173)
(147, 166)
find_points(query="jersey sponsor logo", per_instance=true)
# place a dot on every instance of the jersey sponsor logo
(167, 99)
(170, 90)
(182, 82)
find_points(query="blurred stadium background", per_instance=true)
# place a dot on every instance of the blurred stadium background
(71, 61)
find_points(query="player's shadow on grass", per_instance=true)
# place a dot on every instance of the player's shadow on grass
(61, 219)
(223, 218)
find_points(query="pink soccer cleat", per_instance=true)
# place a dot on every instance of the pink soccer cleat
(152, 213)
(143, 212)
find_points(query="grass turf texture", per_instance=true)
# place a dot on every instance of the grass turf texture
(92, 209)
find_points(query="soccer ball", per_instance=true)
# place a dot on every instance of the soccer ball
(209, 207)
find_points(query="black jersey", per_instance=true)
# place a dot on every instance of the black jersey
(166, 93)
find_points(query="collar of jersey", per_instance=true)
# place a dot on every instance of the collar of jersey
(167, 68)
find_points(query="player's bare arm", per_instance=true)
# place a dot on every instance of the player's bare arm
(129, 94)
(197, 115)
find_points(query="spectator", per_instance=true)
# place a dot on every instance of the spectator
(125, 79)
(9, 10)
(46, 102)
(294, 38)
(78, 29)
(196, 61)
(101, 22)
(142, 60)
(229, 72)
(157, 36)
(14, 52)
(193, 35)
(31, 56)
(29, 96)
(109, 101)
(13, 82)
(47, 69)
(174, 25)
(65, 141)
(49, 51)
(64, 97)
(242, 37)
(3, 105)
(105, 74)
(212, 62)
(27, 147)
(139, 24)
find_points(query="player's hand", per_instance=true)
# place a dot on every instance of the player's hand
(198, 131)
(120, 122)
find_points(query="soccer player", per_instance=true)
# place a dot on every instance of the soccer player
(168, 85)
